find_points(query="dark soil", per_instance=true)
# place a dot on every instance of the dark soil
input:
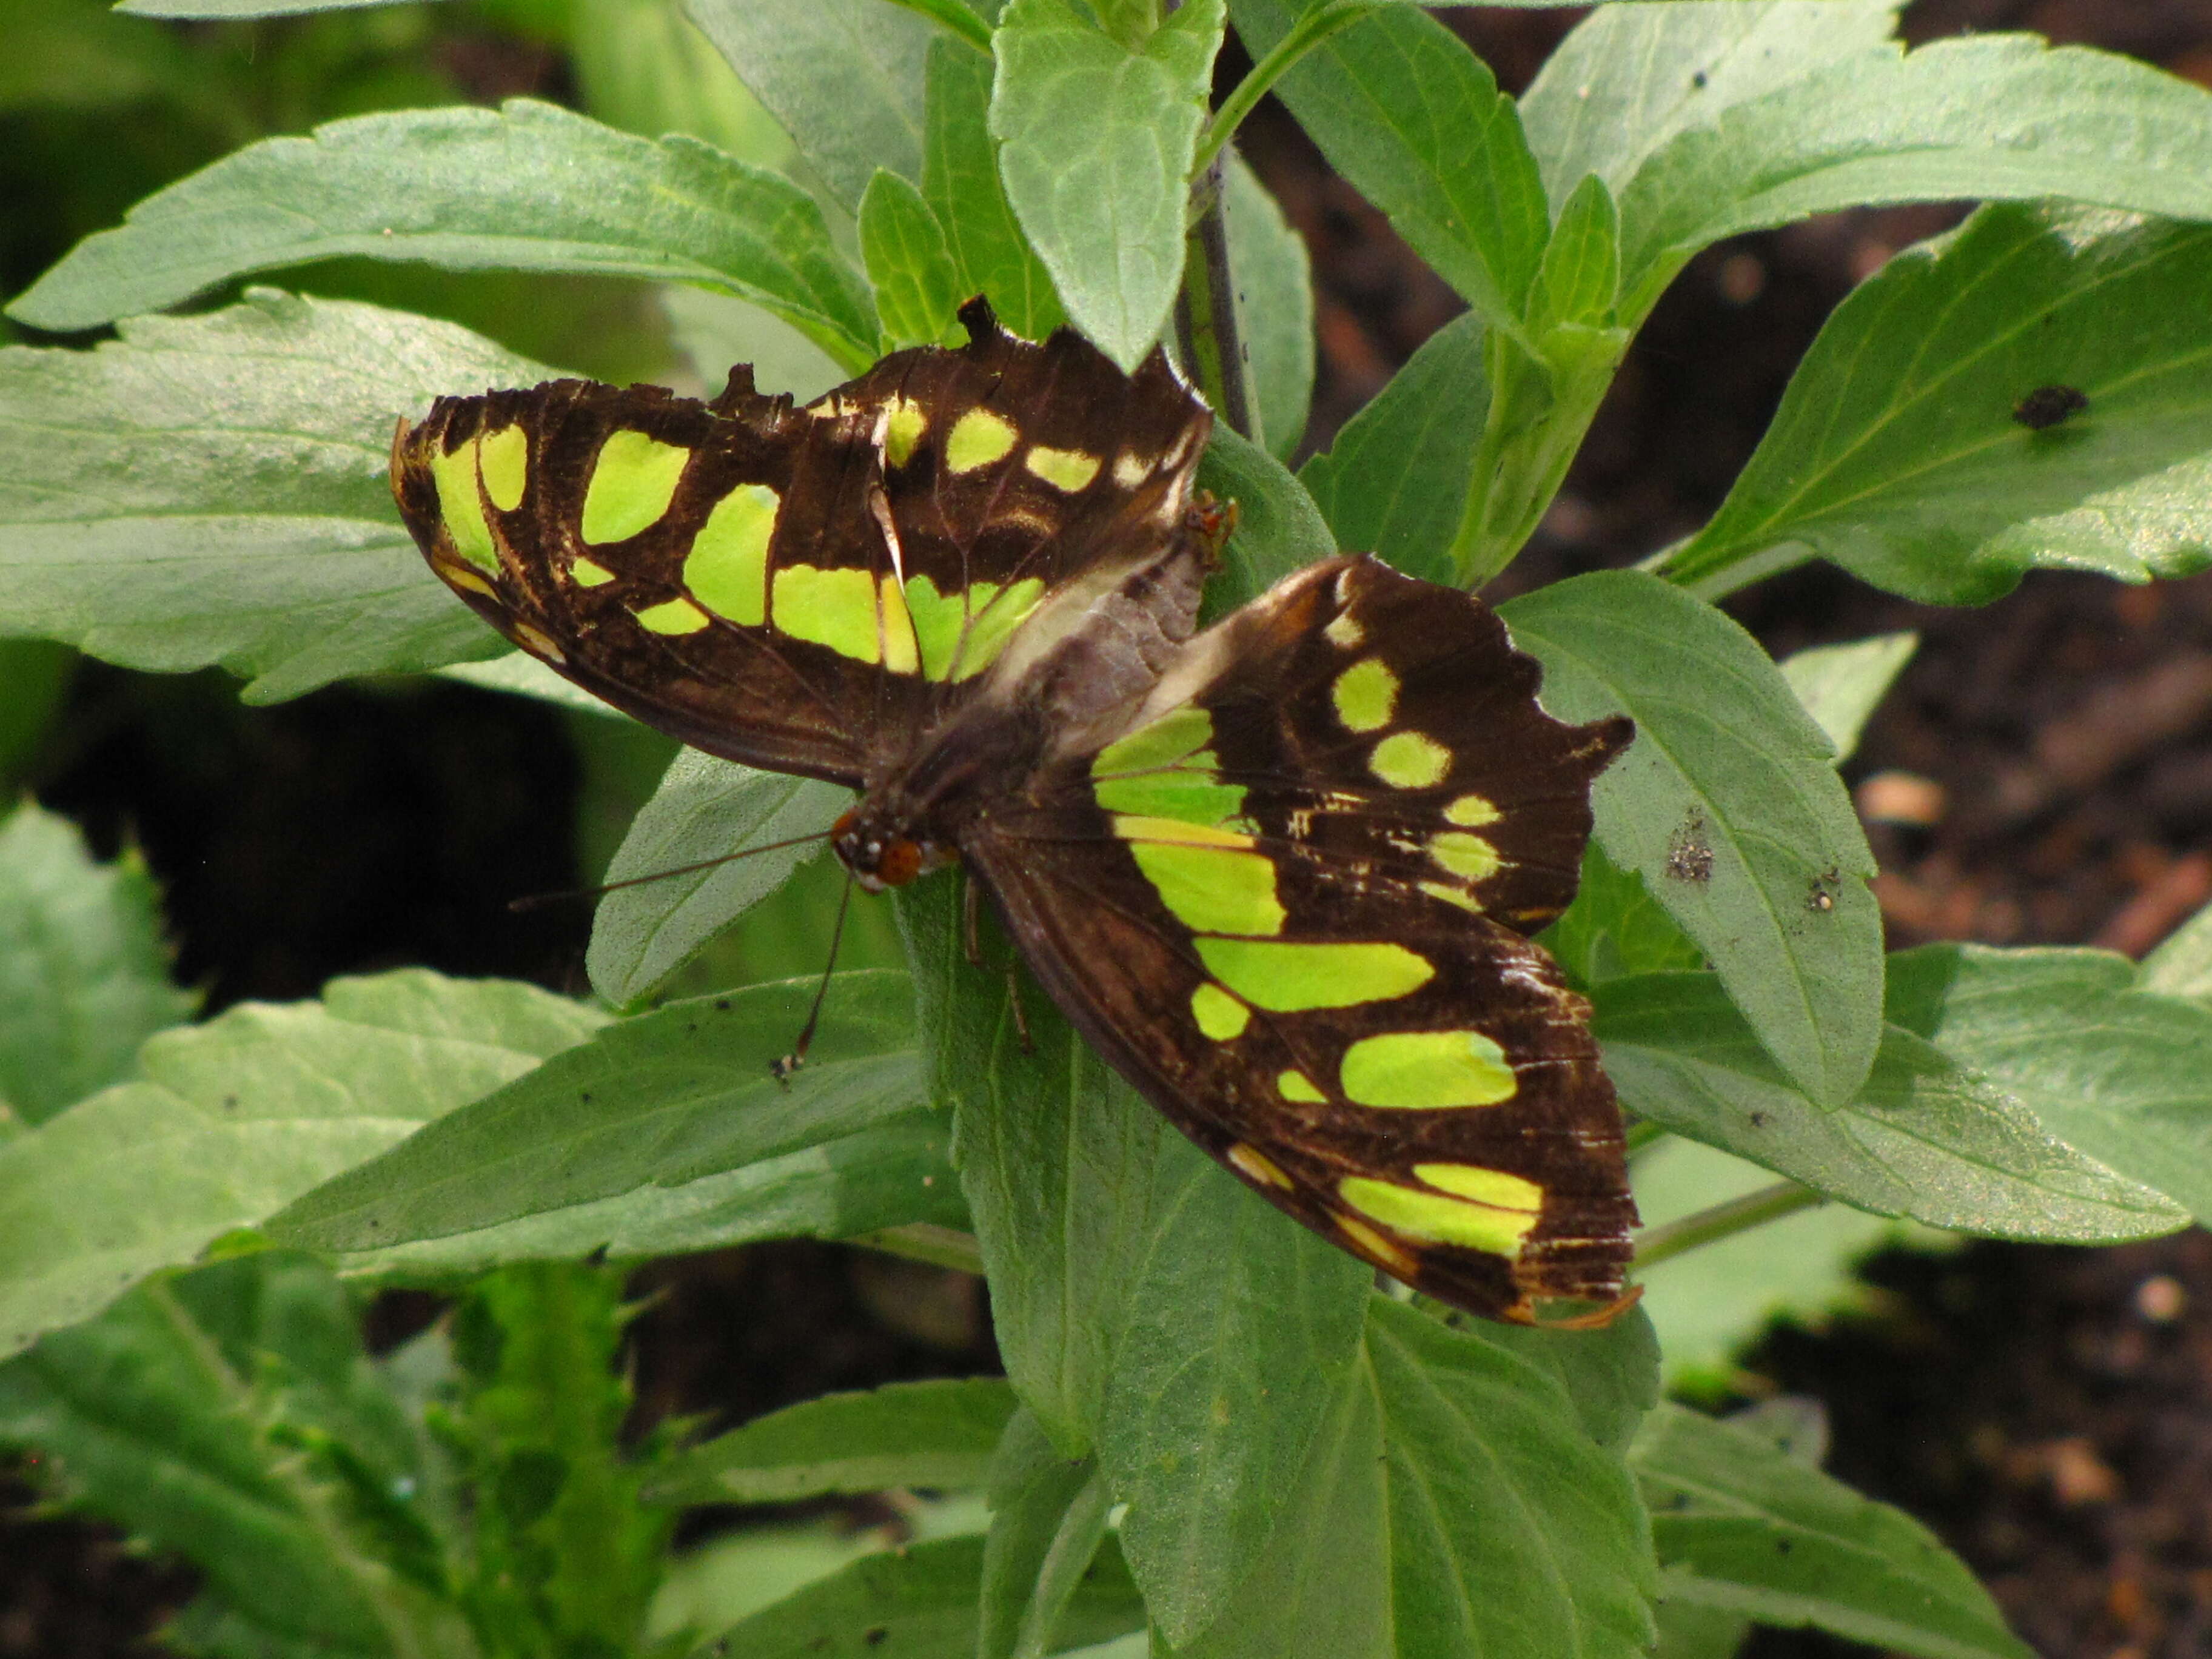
(2049, 1412)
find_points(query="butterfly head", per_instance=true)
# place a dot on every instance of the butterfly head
(881, 853)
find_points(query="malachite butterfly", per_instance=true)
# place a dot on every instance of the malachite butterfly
(1282, 871)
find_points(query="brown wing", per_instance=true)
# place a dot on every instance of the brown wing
(800, 588)
(1251, 921)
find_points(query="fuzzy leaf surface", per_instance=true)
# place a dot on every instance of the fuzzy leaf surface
(1095, 146)
(1898, 451)
(248, 448)
(1927, 1136)
(1728, 804)
(528, 186)
(84, 972)
(229, 1120)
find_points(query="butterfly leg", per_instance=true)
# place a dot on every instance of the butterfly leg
(971, 921)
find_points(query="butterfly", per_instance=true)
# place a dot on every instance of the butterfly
(1282, 871)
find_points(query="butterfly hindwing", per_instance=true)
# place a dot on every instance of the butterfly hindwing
(804, 588)
(1317, 970)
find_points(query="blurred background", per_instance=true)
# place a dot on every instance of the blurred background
(2042, 774)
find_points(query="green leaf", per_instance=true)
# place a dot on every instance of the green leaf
(1743, 1528)
(1897, 452)
(918, 288)
(1580, 273)
(1279, 528)
(1274, 308)
(1046, 1512)
(643, 66)
(1096, 141)
(1930, 1135)
(1615, 928)
(1840, 685)
(1628, 79)
(1447, 1468)
(1396, 480)
(712, 331)
(660, 1099)
(229, 1415)
(228, 10)
(1727, 766)
(937, 1434)
(567, 1551)
(518, 674)
(1146, 1304)
(527, 187)
(843, 78)
(84, 972)
(891, 1174)
(1611, 1375)
(251, 446)
(960, 180)
(2182, 967)
(1708, 1303)
(86, 58)
(2114, 1071)
(233, 1119)
(1986, 117)
(1415, 120)
(920, 1603)
(704, 809)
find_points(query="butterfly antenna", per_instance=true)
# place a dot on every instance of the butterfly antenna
(538, 901)
(782, 1069)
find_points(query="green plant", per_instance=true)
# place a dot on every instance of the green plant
(1215, 1429)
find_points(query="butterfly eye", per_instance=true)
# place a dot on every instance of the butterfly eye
(898, 863)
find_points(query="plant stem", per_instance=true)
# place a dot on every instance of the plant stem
(1206, 309)
(957, 18)
(1309, 32)
(924, 1241)
(1656, 1244)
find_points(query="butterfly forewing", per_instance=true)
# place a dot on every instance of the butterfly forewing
(1269, 897)
(804, 588)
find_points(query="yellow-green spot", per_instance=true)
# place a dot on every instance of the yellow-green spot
(633, 481)
(978, 438)
(903, 431)
(996, 615)
(1434, 1219)
(1464, 856)
(455, 475)
(1063, 469)
(902, 652)
(588, 573)
(1212, 889)
(1163, 743)
(506, 466)
(1164, 769)
(938, 619)
(672, 616)
(1258, 1166)
(1492, 1186)
(1219, 1015)
(727, 568)
(1451, 895)
(835, 608)
(1425, 1071)
(1297, 1085)
(1472, 811)
(1284, 978)
(1345, 632)
(1406, 760)
(1366, 695)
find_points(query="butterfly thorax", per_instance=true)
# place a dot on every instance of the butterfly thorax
(1078, 669)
